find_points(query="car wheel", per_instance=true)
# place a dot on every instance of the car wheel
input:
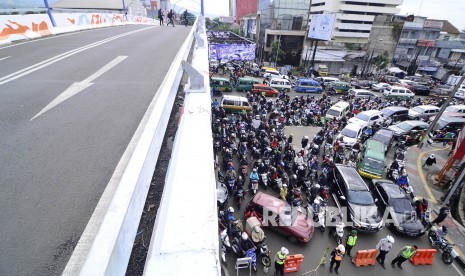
(292, 239)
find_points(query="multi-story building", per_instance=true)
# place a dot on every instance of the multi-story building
(245, 7)
(354, 18)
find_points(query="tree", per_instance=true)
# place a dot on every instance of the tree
(381, 61)
(276, 50)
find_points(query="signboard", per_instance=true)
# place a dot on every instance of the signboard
(426, 43)
(227, 19)
(433, 24)
(321, 26)
(232, 51)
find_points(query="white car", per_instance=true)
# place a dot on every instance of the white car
(350, 133)
(460, 93)
(362, 93)
(380, 86)
(398, 92)
(368, 118)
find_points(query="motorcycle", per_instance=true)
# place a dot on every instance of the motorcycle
(264, 253)
(446, 247)
(319, 215)
(239, 196)
(254, 186)
(225, 244)
(264, 179)
(222, 196)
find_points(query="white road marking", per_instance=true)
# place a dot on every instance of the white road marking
(4, 58)
(460, 273)
(45, 63)
(77, 87)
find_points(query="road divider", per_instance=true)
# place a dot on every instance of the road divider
(423, 257)
(365, 257)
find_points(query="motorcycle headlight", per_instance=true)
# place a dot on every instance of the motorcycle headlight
(400, 228)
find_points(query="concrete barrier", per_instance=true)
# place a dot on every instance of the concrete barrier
(185, 237)
(107, 241)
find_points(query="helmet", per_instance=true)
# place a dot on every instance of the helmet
(305, 137)
(254, 169)
(444, 229)
(284, 250)
(390, 239)
(317, 186)
(240, 177)
(353, 232)
(256, 228)
(341, 248)
(431, 156)
(231, 209)
(244, 236)
(257, 117)
(405, 174)
(294, 176)
(369, 127)
(315, 146)
(291, 135)
(316, 201)
(301, 168)
(284, 185)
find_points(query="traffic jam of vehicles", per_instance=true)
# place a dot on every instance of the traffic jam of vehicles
(338, 180)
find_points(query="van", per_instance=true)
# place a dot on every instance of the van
(338, 110)
(235, 104)
(327, 80)
(339, 87)
(308, 86)
(296, 226)
(460, 108)
(371, 161)
(281, 84)
(270, 69)
(245, 84)
(223, 84)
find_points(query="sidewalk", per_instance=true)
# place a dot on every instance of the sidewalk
(422, 181)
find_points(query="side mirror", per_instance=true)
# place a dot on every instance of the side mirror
(342, 197)
(376, 200)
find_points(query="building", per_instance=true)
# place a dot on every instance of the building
(354, 18)
(245, 7)
(249, 25)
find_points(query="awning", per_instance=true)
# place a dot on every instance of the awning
(458, 50)
(404, 64)
(396, 70)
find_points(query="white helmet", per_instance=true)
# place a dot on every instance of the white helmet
(316, 201)
(341, 248)
(390, 239)
(284, 250)
(244, 236)
(317, 186)
(231, 209)
(431, 156)
(256, 228)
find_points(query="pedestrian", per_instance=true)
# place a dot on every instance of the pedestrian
(443, 212)
(430, 161)
(384, 246)
(405, 254)
(351, 241)
(171, 18)
(279, 259)
(184, 17)
(336, 257)
(160, 17)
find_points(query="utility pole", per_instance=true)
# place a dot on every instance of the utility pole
(202, 10)
(306, 31)
(49, 13)
(277, 52)
(441, 111)
(457, 183)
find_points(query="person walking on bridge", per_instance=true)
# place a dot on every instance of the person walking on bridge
(170, 18)
(160, 17)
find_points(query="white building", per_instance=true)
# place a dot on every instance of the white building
(355, 17)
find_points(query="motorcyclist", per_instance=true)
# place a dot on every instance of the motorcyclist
(257, 235)
(368, 131)
(298, 160)
(357, 145)
(394, 166)
(230, 174)
(215, 102)
(441, 235)
(245, 243)
(304, 141)
(402, 181)
(315, 150)
(300, 172)
(290, 138)
(262, 168)
(253, 176)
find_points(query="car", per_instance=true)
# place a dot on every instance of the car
(449, 122)
(459, 108)
(406, 83)
(362, 84)
(338, 87)
(362, 93)
(398, 92)
(380, 87)
(389, 79)
(351, 133)
(393, 114)
(408, 127)
(460, 94)
(385, 136)
(368, 118)
(441, 91)
(296, 226)
(269, 74)
(420, 89)
(308, 86)
(269, 91)
(393, 199)
(352, 192)
(422, 111)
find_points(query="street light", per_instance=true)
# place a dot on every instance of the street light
(49, 13)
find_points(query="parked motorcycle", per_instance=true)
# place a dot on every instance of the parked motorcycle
(446, 247)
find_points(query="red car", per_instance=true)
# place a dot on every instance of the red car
(297, 227)
(269, 91)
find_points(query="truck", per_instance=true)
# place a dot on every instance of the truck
(322, 69)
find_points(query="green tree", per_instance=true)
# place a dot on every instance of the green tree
(381, 61)
(276, 50)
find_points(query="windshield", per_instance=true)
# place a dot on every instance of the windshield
(372, 163)
(363, 117)
(440, 124)
(348, 132)
(401, 205)
(387, 112)
(404, 126)
(333, 112)
(418, 109)
(360, 198)
(451, 109)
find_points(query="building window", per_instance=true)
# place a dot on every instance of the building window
(446, 37)
(410, 51)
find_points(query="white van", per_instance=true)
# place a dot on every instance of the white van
(338, 110)
(235, 104)
(281, 84)
(327, 80)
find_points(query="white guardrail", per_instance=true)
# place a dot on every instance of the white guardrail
(185, 237)
(105, 246)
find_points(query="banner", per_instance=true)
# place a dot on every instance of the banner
(321, 26)
(232, 51)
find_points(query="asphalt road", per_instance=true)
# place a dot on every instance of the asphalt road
(315, 249)
(55, 167)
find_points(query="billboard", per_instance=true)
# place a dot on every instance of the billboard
(426, 43)
(232, 51)
(321, 26)
(433, 24)
(227, 19)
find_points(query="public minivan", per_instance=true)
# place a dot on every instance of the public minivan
(371, 163)
(235, 104)
(280, 84)
(339, 110)
(223, 84)
(269, 69)
(246, 84)
(339, 87)
(308, 86)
